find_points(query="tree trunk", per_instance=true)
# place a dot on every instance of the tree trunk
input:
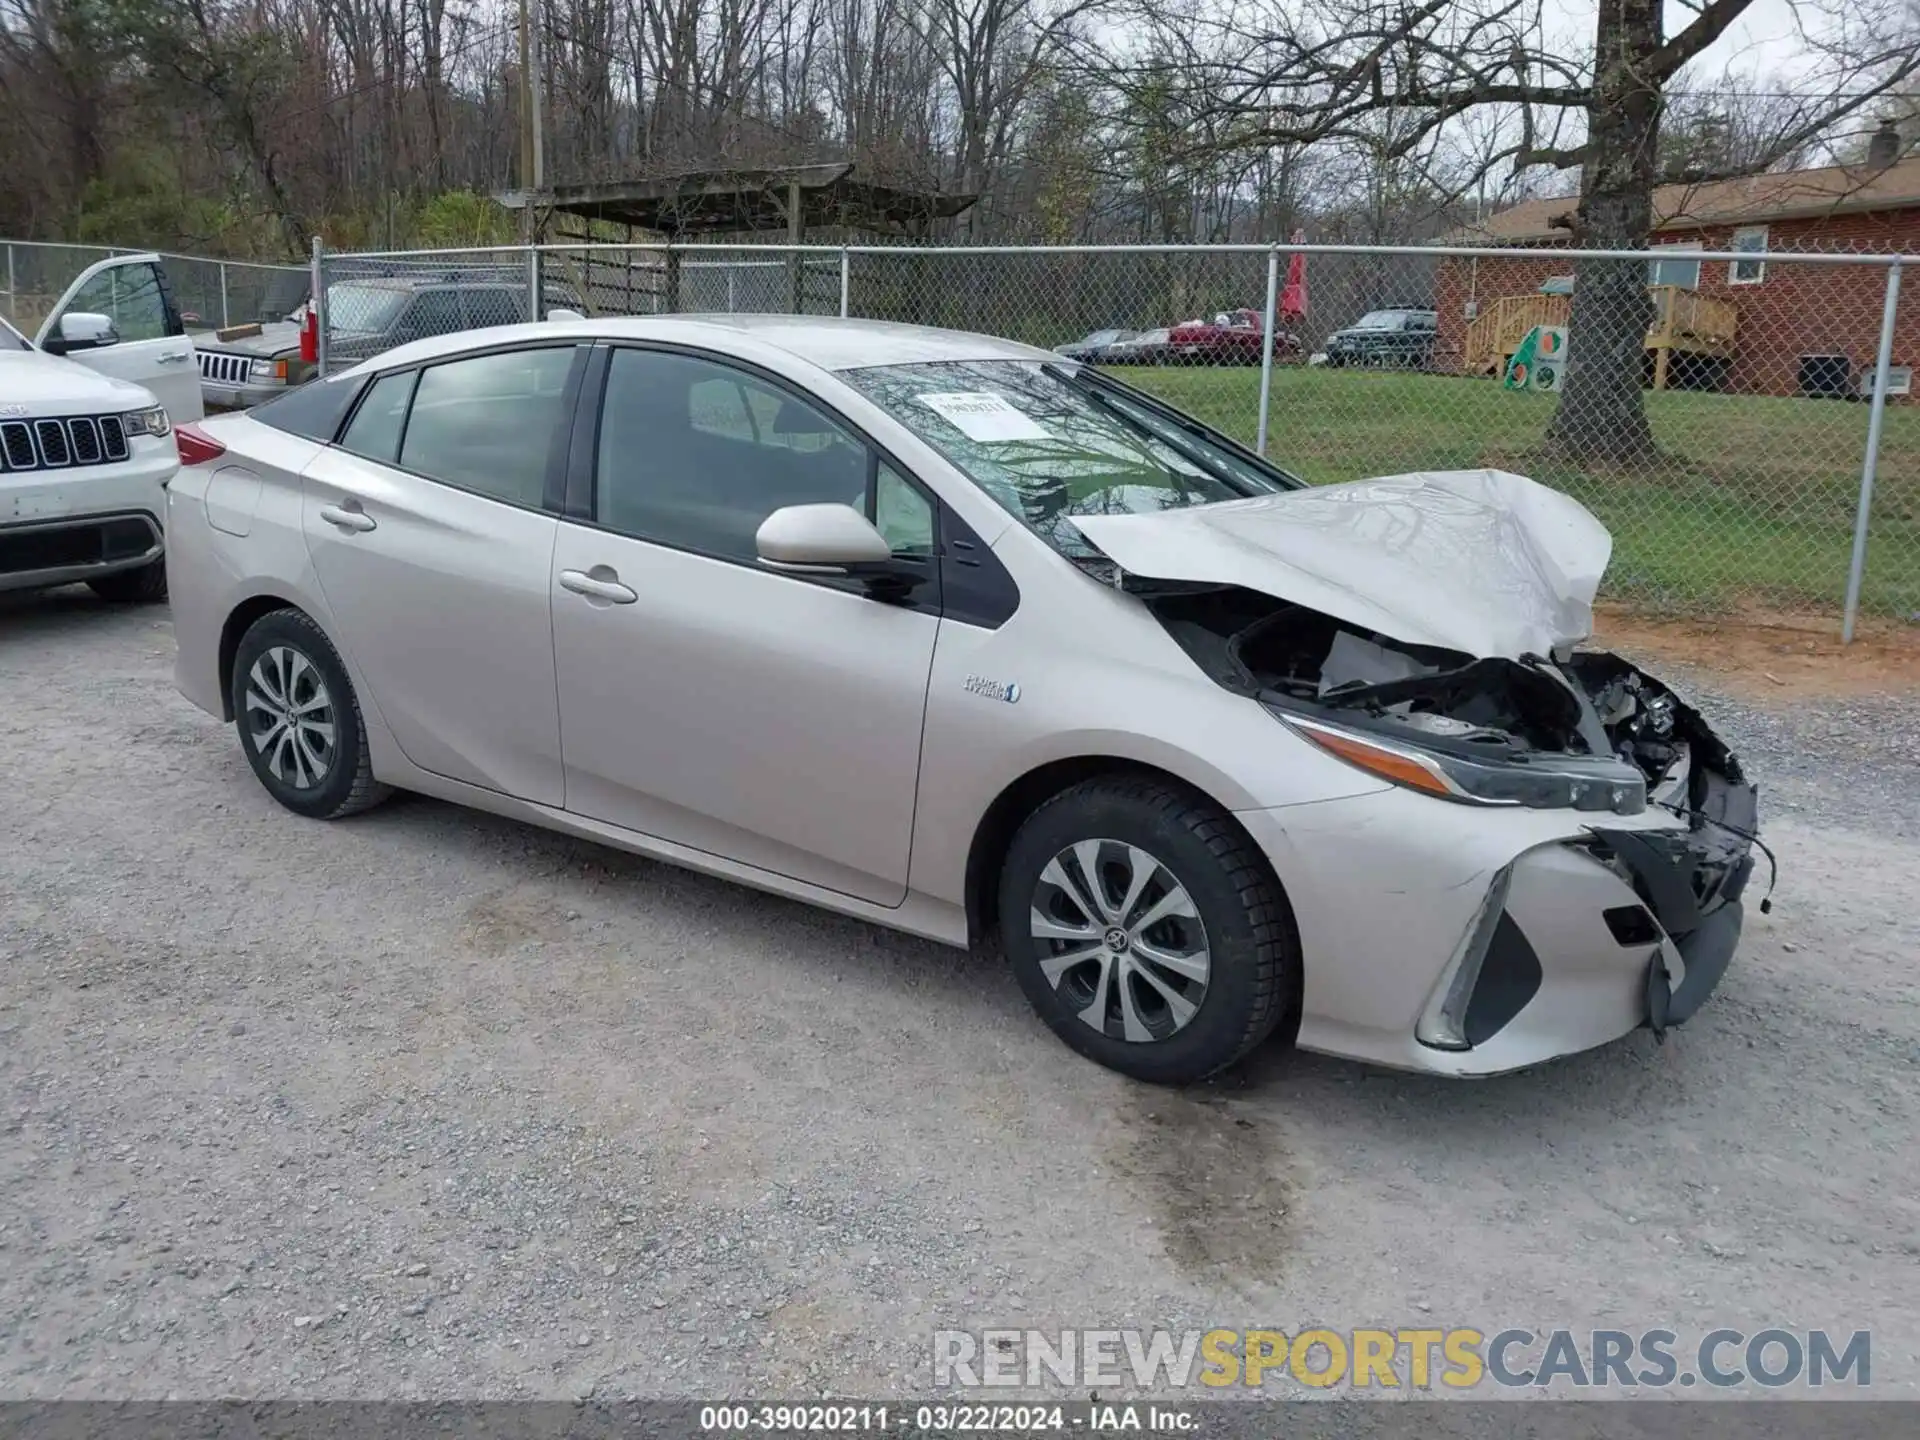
(1602, 415)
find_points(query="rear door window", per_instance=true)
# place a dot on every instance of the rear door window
(488, 423)
(433, 312)
(492, 307)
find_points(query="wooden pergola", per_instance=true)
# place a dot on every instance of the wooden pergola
(737, 200)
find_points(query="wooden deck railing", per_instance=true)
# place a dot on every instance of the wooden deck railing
(1683, 320)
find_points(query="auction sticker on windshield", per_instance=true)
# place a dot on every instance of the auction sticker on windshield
(983, 415)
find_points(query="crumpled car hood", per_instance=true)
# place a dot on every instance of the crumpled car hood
(1480, 561)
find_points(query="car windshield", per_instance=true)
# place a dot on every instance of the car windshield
(1380, 320)
(12, 339)
(363, 307)
(1048, 444)
(1106, 337)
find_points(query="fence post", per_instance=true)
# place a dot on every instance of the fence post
(1857, 569)
(318, 301)
(845, 276)
(1266, 347)
(224, 321)
(533, 282)
(13, 300)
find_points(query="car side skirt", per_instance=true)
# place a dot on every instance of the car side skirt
(919, 914)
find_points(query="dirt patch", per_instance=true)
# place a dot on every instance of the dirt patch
(1218, 1180)
(507, 920)
(1773, 656)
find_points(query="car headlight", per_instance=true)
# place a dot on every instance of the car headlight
(147, 422)
(269, 369)
(1537, 781)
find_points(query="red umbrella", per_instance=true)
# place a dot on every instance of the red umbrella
(1293, 299)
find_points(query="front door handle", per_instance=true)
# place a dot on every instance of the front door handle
(347, 517)
(175, 357)
(600, 583)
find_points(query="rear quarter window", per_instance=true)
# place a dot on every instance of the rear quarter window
(314, 410)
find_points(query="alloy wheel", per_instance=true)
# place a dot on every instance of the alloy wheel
(1120, 940)
(290, 719)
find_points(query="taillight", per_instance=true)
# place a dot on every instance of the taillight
(196, 446)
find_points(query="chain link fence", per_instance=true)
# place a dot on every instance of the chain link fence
(1715, 409)
(210, 294)
(374, 303)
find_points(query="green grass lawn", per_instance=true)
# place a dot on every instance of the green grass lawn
(1750, 501)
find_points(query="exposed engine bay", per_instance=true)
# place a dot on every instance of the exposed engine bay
(1428, 630)
(1584, 729)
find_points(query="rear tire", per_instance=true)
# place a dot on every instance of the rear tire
(299, 720)
(145, 586)
(1183, 981)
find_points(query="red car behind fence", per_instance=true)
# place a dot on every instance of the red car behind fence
(1233, 337)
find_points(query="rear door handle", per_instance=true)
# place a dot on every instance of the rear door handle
(175, 357)
(600, 583)
(347, 517)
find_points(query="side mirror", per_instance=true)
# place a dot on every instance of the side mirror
(83, 330)
(820, 540)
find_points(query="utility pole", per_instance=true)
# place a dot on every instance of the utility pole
(532, 139)
(536, 75)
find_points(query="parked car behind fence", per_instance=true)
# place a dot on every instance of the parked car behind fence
(1232, 337)
(245, 365)
(1149, 347)
(1400, 338)
(370, 314)
(1094, 347)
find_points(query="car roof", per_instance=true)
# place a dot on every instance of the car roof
(828, 342)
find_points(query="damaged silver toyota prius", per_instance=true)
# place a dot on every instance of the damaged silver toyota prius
(951, 634)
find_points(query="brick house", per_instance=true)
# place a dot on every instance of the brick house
(1784, 311)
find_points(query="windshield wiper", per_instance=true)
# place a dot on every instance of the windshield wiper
(1133, 422)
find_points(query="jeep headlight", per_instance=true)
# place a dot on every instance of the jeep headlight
(1539, 781)
(151, 421)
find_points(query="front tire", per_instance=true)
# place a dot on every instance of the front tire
(299, 720)
(145, 586)
(1146, 930)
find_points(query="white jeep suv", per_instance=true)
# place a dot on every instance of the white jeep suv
(84, 463)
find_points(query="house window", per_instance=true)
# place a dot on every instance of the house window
(1682, 270)
(1748, 272)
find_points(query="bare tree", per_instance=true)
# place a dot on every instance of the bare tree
(1326, 69)
(993, 53)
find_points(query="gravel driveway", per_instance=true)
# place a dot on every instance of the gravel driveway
(427, 1103)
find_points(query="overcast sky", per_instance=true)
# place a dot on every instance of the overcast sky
(1763, 45)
